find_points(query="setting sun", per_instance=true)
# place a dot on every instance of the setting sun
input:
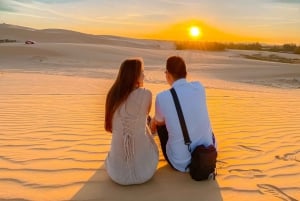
(195, 32)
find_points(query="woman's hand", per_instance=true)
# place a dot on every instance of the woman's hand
(152, 126)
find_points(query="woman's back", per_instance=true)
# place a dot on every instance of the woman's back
(133, 156)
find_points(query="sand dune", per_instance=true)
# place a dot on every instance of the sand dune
(63, 49)
(21, 34)
(53, 144)
(103, 61)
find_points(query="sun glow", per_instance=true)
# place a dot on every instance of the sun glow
(195, 32)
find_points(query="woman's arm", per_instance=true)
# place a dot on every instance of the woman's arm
(153, 124)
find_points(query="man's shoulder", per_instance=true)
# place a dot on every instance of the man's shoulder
(163, 93)
(196, 84)
(163, 96)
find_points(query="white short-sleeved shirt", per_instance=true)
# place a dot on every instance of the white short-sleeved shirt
(192, 99)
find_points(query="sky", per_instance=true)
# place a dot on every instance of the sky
(270, 21)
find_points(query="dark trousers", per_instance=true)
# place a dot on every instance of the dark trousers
(163, 138)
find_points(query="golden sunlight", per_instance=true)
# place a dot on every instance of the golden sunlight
(195, 32)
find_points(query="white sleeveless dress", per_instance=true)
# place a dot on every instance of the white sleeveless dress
(133, 155)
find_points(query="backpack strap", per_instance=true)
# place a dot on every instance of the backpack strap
(185, 133)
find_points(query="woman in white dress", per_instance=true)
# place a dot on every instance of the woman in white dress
(133, 155)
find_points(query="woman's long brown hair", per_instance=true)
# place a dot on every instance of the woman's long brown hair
(125, 83)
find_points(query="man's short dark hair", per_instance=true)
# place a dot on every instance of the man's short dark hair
(176, 67)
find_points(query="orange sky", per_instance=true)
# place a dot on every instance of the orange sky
(181, 32)
(271, 21)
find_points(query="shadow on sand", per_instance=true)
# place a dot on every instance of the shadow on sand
(165, 185)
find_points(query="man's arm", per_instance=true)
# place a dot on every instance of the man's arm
(158, 115)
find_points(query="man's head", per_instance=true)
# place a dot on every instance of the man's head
(176, 67)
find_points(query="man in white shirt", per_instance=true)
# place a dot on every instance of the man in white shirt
(192, 100)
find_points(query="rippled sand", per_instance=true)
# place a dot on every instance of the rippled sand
(53, 145)
(52, 137)
(259, 138)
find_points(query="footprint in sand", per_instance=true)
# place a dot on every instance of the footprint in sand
(249, 148)
(290, 156)
(248, 173)
(274, 191)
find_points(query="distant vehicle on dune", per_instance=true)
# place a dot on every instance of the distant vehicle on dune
(29, 42)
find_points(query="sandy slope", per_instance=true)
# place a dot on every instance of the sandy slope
(21, 34)
(53, 145)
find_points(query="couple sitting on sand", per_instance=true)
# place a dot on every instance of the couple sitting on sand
(133, 155)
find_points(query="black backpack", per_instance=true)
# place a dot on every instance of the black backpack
(203, 159)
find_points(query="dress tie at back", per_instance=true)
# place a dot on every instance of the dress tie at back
(128, 138)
